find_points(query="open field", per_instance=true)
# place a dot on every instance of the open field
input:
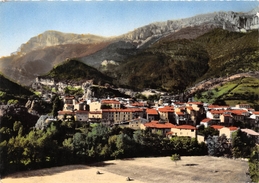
(142, 170)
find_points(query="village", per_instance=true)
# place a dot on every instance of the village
(168, 118)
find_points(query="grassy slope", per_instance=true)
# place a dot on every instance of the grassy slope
(242, 90)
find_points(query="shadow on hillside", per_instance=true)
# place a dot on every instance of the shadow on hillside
(47, 171)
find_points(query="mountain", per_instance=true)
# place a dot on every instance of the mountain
(230, 52)
(166, 65)
(73, 71)
(54, 38)
(41, 53)
(231, 21)
(175, 65)
(24, 69)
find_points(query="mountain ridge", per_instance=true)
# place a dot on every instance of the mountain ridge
(53, 48)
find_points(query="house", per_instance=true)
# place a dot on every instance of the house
(180, 116)
(95, 116)
(195, 105)
(69, 102)
(206, 122)
(226, 119)
(184, 130)
(137, 122)
(158, 127)
(246, 106)
(111, 103)
(121, 115)
(66, 115)
(94, 106)
(252, 133)
(239, 115)
(152, 114)
(166, 113)
(227, 131)
(215, 114)
(217, 127)
(82, 115)
(254, 119)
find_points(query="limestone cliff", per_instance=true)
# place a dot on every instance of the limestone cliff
(232, 21)
(53, 38)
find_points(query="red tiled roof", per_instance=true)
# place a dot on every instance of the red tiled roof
(166, 109)
(95, 112)
(190, 108)
(232, 128)
(186, 127)
(82, 112)
(179, 113)
(152, 112)
(206, 120)
(110, 102)
(217, 127)
(169, 133)
(123, 110)
(66, 112)
(217, 106)
(238, 111)
(139, 104)
(217, 111)
(156, 124)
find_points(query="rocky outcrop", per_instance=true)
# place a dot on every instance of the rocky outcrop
(54, 38)
(228, 20)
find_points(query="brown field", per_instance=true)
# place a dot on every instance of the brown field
(142, 170)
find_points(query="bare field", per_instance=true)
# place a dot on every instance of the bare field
(142, 170)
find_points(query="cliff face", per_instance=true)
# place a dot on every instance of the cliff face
(228, 20)
(54, 38)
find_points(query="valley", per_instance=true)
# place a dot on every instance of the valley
(183, 90)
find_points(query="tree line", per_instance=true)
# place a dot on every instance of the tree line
(62, 143)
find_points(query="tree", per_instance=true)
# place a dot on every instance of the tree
(254, 165)
(175, 158)
(242, 144)
(57, 105)
(212, 145)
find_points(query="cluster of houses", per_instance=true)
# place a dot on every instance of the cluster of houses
(175, 119)
(168, 119)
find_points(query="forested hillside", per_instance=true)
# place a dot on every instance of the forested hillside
(12, 92)
(174, 65)
(76, 72)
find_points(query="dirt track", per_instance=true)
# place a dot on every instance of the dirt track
(143, 170)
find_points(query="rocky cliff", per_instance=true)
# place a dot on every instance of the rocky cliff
(231, 21)
(54, 38)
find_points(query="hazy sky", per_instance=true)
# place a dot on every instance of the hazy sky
(19, 21)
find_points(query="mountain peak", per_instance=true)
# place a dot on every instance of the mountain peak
(54, 38)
